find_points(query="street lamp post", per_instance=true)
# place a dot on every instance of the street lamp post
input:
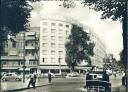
(24, 57)
(59, 60)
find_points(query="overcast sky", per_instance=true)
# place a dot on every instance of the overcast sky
(110, 32)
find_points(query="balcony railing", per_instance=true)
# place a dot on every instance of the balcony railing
(31, 57)
(30, 38)
(12, 58)
(10, 67)
(30, 47)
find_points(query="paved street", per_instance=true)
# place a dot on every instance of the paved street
(61, 85)
(71, 84)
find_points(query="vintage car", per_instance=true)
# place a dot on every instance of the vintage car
(97, 81)
(11, 77)
(73, 74)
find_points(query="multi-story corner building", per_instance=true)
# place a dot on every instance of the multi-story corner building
(99, 50)
(53, 35)
(19, 49)
(54, 32)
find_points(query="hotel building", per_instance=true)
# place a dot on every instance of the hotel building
(54, 32)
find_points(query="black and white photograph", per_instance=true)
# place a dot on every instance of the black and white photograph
(63, 46)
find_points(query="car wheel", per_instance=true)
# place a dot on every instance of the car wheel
(4, 79)
(17, 79)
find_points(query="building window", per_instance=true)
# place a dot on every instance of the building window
(22, 62)
(45, 23)
(60, 24)
(44, 44)
(44, 52)
(53, 30)
(21, 54)
(52, 37)
(53, 24)
(44, 37)
(43, 59)
(67, 32)
(6, 45)
(60, 31)
(4, 63)
(14, 44)
(60, 38)
(18, 63)
(34, 62)
(67, 26)
(53, 52)
(52, 60)
(61, 45)
(60, 52)
(53, 45)
(45, 30)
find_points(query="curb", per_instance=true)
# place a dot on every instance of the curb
(25, 88)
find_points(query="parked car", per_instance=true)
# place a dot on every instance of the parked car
(73, 74)
(11, 76)
(97, 81)
(46, 75)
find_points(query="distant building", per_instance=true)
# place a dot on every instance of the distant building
(19, 49)
(99, 50)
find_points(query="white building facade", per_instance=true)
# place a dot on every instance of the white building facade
(54, 32)
(99, 50)
(53, 35)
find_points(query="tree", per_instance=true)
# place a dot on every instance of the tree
(116, 10)
(14, 16)
(120, 61)
(78, 47)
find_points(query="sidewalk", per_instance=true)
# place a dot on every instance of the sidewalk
(18, 86)
(117, 84)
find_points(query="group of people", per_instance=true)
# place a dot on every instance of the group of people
(33, 78)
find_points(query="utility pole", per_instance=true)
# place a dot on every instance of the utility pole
(59, 60)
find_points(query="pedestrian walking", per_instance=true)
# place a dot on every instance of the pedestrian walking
(49, 77)
(124, 80)
(32, 80)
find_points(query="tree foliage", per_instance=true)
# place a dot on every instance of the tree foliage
(79, 47)
(116, 10)
(14, 15)
(14, 18)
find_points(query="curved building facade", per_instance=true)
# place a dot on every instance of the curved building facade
(54, 32)
(99, 50)
(53, 35)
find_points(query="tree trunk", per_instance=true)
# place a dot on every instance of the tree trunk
(73, 67)
(125, 48)
(124, 25)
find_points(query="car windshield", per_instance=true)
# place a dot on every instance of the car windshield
(8, 75)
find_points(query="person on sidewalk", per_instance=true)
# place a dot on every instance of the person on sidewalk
(49, 77)
(32, 80)
(124, 78)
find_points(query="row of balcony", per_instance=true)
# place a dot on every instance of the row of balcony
(31, 38)
(19, 57)
(31, 47)
(20, 67)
